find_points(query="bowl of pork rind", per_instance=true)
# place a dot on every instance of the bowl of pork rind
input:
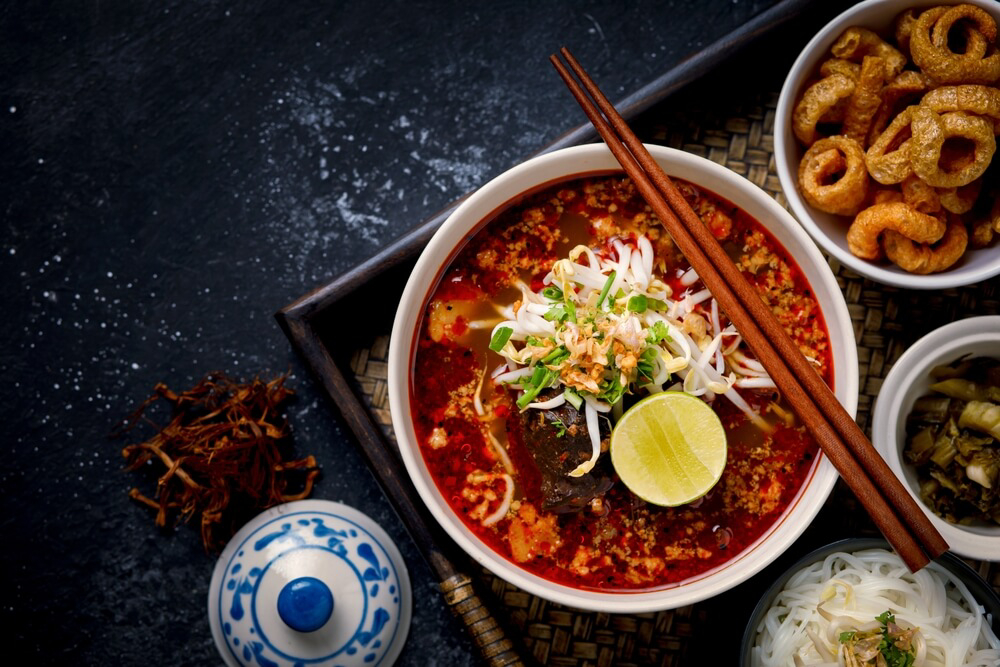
(885, 141)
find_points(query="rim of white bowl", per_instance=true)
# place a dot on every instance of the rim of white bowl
(580, 161)
(942, 345)
(807, 60)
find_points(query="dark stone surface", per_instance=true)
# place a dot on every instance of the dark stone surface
(172, 174)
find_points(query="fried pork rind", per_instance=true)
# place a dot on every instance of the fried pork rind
(930, 132)
(856, 43)
(888, 158)
(816, 102)
(865, 99)
(922, 258)
(982, 233)
(885, 195)
(833, 177)
(919, 195)
(840, 66)
(903, 27)
(931, 53)
(961, 199)
(863, 234)
(904, 90)
(974, 99)
(984, 230)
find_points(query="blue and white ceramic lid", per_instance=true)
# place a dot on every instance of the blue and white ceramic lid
(312, 583)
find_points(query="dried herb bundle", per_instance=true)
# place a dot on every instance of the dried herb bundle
(224, 452)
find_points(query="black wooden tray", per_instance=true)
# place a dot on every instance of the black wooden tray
(509, 626)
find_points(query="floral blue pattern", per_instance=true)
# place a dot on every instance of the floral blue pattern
(371, 598)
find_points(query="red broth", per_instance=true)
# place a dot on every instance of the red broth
(619, 542)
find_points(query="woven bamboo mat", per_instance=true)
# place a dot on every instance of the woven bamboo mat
(886, 321)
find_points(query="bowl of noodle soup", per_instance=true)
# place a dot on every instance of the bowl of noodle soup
(468, 357)
(844, 586)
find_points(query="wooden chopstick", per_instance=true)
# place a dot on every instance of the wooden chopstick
(891, 507)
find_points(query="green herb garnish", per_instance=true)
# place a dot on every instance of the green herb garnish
(553, 293)
(500, 338)
(647, 363)
(638, 303)
(895, 647)
(573, 398)
(658, 333)
(606, 289)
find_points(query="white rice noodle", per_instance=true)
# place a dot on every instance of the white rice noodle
(689, 277)
(737, 400)
(592, 276)
(736, 340)
(692, 300)
(621, 268)
(846, 591)
(756, 383)
(596, 405)
(640, 279)
(481, 324)
(581, 249)
(535, 325)
(594, 428)
(501, 452)
(646, 251)
(511, 377)
(508, 496)
(549, 404)
(720, 362)
(477, 401)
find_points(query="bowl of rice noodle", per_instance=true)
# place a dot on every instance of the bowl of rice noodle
(854, 603)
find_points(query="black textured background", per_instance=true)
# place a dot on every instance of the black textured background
(175, 172)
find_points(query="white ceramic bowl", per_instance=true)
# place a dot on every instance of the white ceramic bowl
(579, 161)
(907, 381)
(830, 231)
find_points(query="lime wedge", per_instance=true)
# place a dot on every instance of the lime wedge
(669, 448)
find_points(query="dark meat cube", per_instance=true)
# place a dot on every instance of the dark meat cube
(558, 441)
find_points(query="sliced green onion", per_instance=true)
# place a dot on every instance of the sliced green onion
(607, 288)
(573, 398)
(500, 338)
(637, 304)
(552, 292)
(544, 377)
(556, 355)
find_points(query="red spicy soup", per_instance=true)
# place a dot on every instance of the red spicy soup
(505, 481)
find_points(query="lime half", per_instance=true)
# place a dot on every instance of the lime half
(669, 448)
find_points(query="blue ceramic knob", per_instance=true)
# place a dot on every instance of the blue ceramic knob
(310, 582)
(305, 604)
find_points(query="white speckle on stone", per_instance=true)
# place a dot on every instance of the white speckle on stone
(13, 109)
(135, 366)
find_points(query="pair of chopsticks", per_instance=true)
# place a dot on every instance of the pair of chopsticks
(892, 509)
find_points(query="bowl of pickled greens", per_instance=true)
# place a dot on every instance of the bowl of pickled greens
(937, 424)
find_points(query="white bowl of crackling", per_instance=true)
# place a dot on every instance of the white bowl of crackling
(549, 308)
